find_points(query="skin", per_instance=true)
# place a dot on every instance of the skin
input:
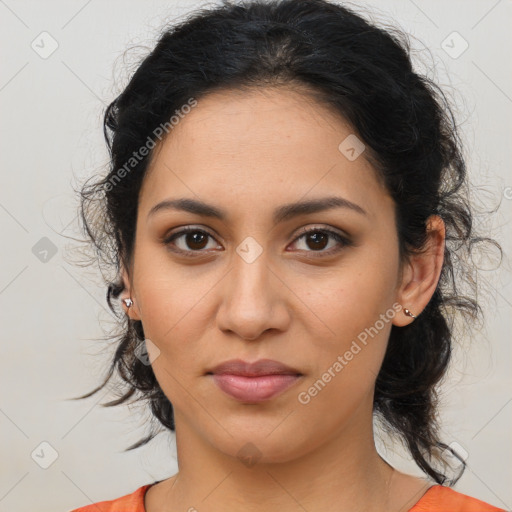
(249, 153)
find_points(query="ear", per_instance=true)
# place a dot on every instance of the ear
(421, 273)
(129, 293)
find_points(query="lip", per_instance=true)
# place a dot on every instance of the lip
(255, 369)
(254, 382)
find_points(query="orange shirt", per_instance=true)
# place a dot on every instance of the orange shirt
(436, 499)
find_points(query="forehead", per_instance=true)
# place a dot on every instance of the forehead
(258, 147)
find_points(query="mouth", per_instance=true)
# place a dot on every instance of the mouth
(254, 382)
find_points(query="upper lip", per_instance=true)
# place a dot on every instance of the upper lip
(257, 368)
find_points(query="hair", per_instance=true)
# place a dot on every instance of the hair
(359, 71)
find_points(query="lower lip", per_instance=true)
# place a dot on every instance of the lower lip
(254, 389)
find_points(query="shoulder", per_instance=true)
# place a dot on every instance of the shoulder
(445, 499)
(133, 502)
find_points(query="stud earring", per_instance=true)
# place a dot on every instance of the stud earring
(128, 302)
(408, 313)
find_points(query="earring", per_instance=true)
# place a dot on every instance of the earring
(128, 302)
(408, 313)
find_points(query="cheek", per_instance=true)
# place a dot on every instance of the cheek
(351, 298)
(347, 361)
(354, 306)
(172, 310)
(171, 317)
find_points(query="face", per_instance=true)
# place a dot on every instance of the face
(315, 290)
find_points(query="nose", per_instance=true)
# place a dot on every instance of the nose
(253, 300)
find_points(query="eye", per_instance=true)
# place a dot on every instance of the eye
(317, 239)
(193, 240)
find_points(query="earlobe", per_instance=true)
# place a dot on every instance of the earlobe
(422, 274)
(131, 309)
(405, 314)
(127, 296)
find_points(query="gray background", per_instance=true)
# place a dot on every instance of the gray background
(53, 311)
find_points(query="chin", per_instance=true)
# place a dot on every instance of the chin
(260, 444)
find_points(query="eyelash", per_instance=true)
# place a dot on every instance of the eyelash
(345, 242)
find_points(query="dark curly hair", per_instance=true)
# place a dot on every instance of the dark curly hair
(365, 74)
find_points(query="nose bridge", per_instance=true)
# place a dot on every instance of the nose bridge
(250, 284)
(249, 302)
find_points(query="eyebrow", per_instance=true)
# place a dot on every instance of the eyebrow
(281, 214)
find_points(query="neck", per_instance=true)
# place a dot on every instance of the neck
(343, 473)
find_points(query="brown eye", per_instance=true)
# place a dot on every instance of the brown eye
(192, 240)
(316, 240)
(188, 241)
(196, 240)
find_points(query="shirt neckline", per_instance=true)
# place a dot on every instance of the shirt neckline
(423, 497)
(145, 489)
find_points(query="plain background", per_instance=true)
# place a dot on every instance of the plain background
(53, 312)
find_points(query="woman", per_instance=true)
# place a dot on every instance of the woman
(286, 214)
